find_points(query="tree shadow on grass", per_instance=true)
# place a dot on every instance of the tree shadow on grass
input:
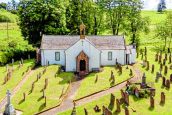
(161, 104)
(40, 98)
(42, 107)
(21, 101)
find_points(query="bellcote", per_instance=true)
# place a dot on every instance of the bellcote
(82, 31)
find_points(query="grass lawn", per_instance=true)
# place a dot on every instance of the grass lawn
(53, 91)
(88, 85)
(17, 76)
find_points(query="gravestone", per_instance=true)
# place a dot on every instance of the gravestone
(97, 109)
(152, 92)
(145, 50)
(146, 58)
(118, 109)
(46, 83)
(161, 67)
(170, 58)
(143, 84)
(164, 61)
(96, 79)
(163, 81)
(162, 98)
(28, 56)
(165, 70)
(7, 68)
(142, 56)
(106, 111)
(33, 85)
(151, 102)
(144, 63)
(170, 77)
(122, 94)
(160, 58)
(85, 111)
(136, 92)
(126, 110)
(166, 56)
(22, 61)
(168, 83)
(112, 100)
(131, 72)
(156, 56)
(9, 109)
(126, 98)
(153, 68)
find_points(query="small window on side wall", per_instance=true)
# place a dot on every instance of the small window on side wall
(57, 56)
(109, 55)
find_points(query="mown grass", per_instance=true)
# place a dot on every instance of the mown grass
(17, 76)
(88, 85)
(34, 102)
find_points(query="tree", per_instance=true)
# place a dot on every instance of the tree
(135, 22)
(161, 6)
(162, 32)
(40, 17)
(3, 5)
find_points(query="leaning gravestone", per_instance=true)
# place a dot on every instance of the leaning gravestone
(156, 57)
(9, 109)
(162, 98)
(147, 65)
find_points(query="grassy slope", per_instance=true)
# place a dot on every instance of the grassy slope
(88, 85)
(53, 91)
(16, 77)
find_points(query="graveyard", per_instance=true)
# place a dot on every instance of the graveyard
(156, 101)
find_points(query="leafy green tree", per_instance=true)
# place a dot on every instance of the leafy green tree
(3, 5)
(40, 17)
(135, 22)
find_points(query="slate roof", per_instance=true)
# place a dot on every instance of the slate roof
(65, 41)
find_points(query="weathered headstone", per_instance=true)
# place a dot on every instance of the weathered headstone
(143, 84)
(131, 72)
(126, 110)
(165, 70)
(43, 93)
(118, 109)
(126, 98)
(145, 50)
(46, 83)
(151, 102)
(9, 109)
(153, 67)
(161, 67)
(168, 83)
(106, 111)
(163, 81)
(162, 98)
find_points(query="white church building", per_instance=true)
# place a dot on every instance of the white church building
(81, 53)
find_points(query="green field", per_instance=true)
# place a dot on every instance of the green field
(52, 92)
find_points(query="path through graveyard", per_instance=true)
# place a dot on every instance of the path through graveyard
(16, 89)
(68, 102)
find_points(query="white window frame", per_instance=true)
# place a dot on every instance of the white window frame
(57, 56)
(109, 55)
